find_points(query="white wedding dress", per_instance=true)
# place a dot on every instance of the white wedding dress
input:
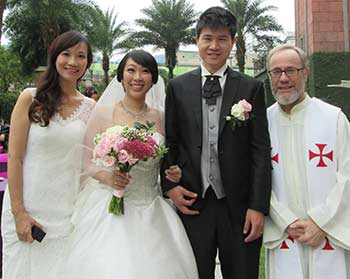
(147, 242)
(50, 188)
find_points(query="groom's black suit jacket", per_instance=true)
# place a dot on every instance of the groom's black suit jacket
(244, 153)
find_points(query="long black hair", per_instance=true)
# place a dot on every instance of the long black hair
(48, 91)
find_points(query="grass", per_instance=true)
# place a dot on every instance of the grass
(262, 264)
(97, 67)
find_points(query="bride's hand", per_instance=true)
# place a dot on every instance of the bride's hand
(116, 179)
(24, 223)
(173, 173)
(121, 180)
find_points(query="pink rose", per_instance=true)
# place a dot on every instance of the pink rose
(108, 161)
(119, 143)
(132, 160)
(245, 105)
(101, 150)
(123, 156)
(106, 143)
(246, 108)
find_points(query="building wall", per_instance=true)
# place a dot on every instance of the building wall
(191, 59)
(320, 25)
(187, 58)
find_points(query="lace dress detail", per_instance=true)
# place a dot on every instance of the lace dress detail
(82, 112)
(50, 189)
(148, 241)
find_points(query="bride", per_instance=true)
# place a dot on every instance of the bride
(148, 241)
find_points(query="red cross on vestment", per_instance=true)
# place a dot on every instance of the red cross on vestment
(321, 163)
(275, 158)
(284, 243)
(327, 245)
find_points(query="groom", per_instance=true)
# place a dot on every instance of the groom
(226, 171)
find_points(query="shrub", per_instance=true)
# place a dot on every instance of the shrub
(7, 102)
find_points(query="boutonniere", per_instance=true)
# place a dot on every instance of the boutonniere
(240, 113)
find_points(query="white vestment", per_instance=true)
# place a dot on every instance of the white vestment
(294, 197)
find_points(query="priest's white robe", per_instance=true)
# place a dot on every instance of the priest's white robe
(332, 216)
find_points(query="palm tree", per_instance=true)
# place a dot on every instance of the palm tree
(105, 36)
(253, 21)
(32, 25)
(2, 10)
(167, 24)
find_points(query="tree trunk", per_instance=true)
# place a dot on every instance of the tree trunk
(171, 72)
(2, 10)
(170, 56)
(240, 52)
(105, 67)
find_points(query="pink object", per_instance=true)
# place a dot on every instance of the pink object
(3, 165)
(1, 148)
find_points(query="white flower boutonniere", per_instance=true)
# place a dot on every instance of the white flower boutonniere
(240, 113)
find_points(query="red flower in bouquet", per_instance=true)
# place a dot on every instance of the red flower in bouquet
(139, 149)
(121, 147)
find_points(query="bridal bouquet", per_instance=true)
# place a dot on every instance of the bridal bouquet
(121, 148)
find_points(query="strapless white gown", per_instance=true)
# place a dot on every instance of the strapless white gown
(148, 242)
(50, 189)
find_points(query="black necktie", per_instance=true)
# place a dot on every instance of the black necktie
(211, 89)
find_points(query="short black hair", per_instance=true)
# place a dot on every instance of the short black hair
(215, 18)
(141, 57)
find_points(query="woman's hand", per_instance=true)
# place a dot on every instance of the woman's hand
(173, 173)
(121, 180)
(24, 223)
(117, 179)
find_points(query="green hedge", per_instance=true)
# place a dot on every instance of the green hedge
(330, 68)
(7, 102)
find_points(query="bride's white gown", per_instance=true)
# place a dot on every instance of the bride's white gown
(148, 242)
(50, 188)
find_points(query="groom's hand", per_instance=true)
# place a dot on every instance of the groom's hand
(182, 199)
(254, 224)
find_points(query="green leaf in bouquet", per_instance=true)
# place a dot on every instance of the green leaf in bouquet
(125, 167)
(149, 126)
(116, 206)
(161, 150)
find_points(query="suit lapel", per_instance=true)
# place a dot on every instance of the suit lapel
(230, 92)
(195, 89)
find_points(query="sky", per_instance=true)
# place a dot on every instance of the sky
(129, 10)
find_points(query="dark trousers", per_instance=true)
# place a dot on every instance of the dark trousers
(212, 231)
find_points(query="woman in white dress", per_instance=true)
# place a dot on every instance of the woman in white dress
(148, 241)
(46, 123)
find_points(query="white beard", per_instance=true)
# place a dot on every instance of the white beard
(287, 100)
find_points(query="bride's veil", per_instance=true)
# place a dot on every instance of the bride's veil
(103, 115)
(115, 92)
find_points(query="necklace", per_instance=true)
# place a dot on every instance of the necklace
(133, 114)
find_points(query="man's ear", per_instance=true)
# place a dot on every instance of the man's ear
(234, 40)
